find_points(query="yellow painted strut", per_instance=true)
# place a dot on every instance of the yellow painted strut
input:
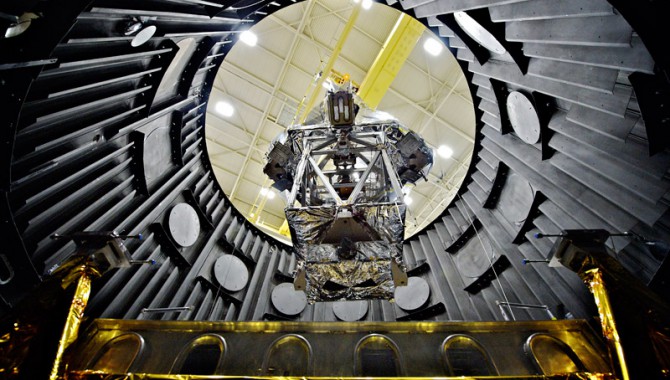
(331, 62)
(389, 61)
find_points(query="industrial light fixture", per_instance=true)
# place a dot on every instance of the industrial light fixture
(249, 38)
(432, 46)
(407, 200)
(367, 4)
(444, 151)
(267, 193)
(225, 109)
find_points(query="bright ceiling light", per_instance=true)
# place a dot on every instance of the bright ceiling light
(432, 46)
(367, 4)
(328, 85)
(407, 200)
(444, 151)
(249, 38)
(267, 193)
(224, 108)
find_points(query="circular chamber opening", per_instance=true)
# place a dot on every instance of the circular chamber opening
(308, 48)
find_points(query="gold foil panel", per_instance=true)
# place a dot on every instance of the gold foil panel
(594, 280)
(74, 318)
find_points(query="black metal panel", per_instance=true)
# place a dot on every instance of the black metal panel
(161, 61)
(248, 261)
(481, 53)
(470, 232)
(219, 291)
(653, 96)
(489, 275)
(201, 52)
(204, 219)
(423, 314)
(545, 109)
(275, 317)
(515, 49)
(498, 184)
(649, 19)
(501, 92)
(18, 274)
(420, 269)
(533, 213)
(168, 245)
(138, 162)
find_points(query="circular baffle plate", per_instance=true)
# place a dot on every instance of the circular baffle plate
(478, 33)
(143, 36)
(288, 300)
(350, 311)
(184, 224)
(231, 273)
(523, 117)
(157, 155)
(414, 295)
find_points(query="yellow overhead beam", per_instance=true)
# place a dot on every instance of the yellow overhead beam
(389, 61)
(331, 62)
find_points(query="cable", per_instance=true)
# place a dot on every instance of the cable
(472, 223)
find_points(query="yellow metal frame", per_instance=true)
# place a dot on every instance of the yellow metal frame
(390, 60)
(305, 107)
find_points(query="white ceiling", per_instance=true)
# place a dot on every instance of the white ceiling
(266, 82)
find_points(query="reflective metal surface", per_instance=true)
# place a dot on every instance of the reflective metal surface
(478, 33)
(184, 224)
(414, 295)
(288, 355)
(287, 300)
(231, 273)
(350, 311)
(636, 350)
(119, 353)
(143, 36)
(340, 349)
(203, 355)
(523, 117)
(552, 355)
(465, 356)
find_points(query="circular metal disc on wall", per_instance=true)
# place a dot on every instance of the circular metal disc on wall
(288, 300)
(350, 311)
(231, 273)
(478, 33)
(412, 296)
(516, 199)
(523, 117)
(184, 224)
(143, 36)
(157, 153)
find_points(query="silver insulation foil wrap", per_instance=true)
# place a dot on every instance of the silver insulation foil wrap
(388, 221)
(309, 224)
(349, 279)
(367, 272)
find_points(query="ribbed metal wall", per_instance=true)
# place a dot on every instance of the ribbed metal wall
(106, 137)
